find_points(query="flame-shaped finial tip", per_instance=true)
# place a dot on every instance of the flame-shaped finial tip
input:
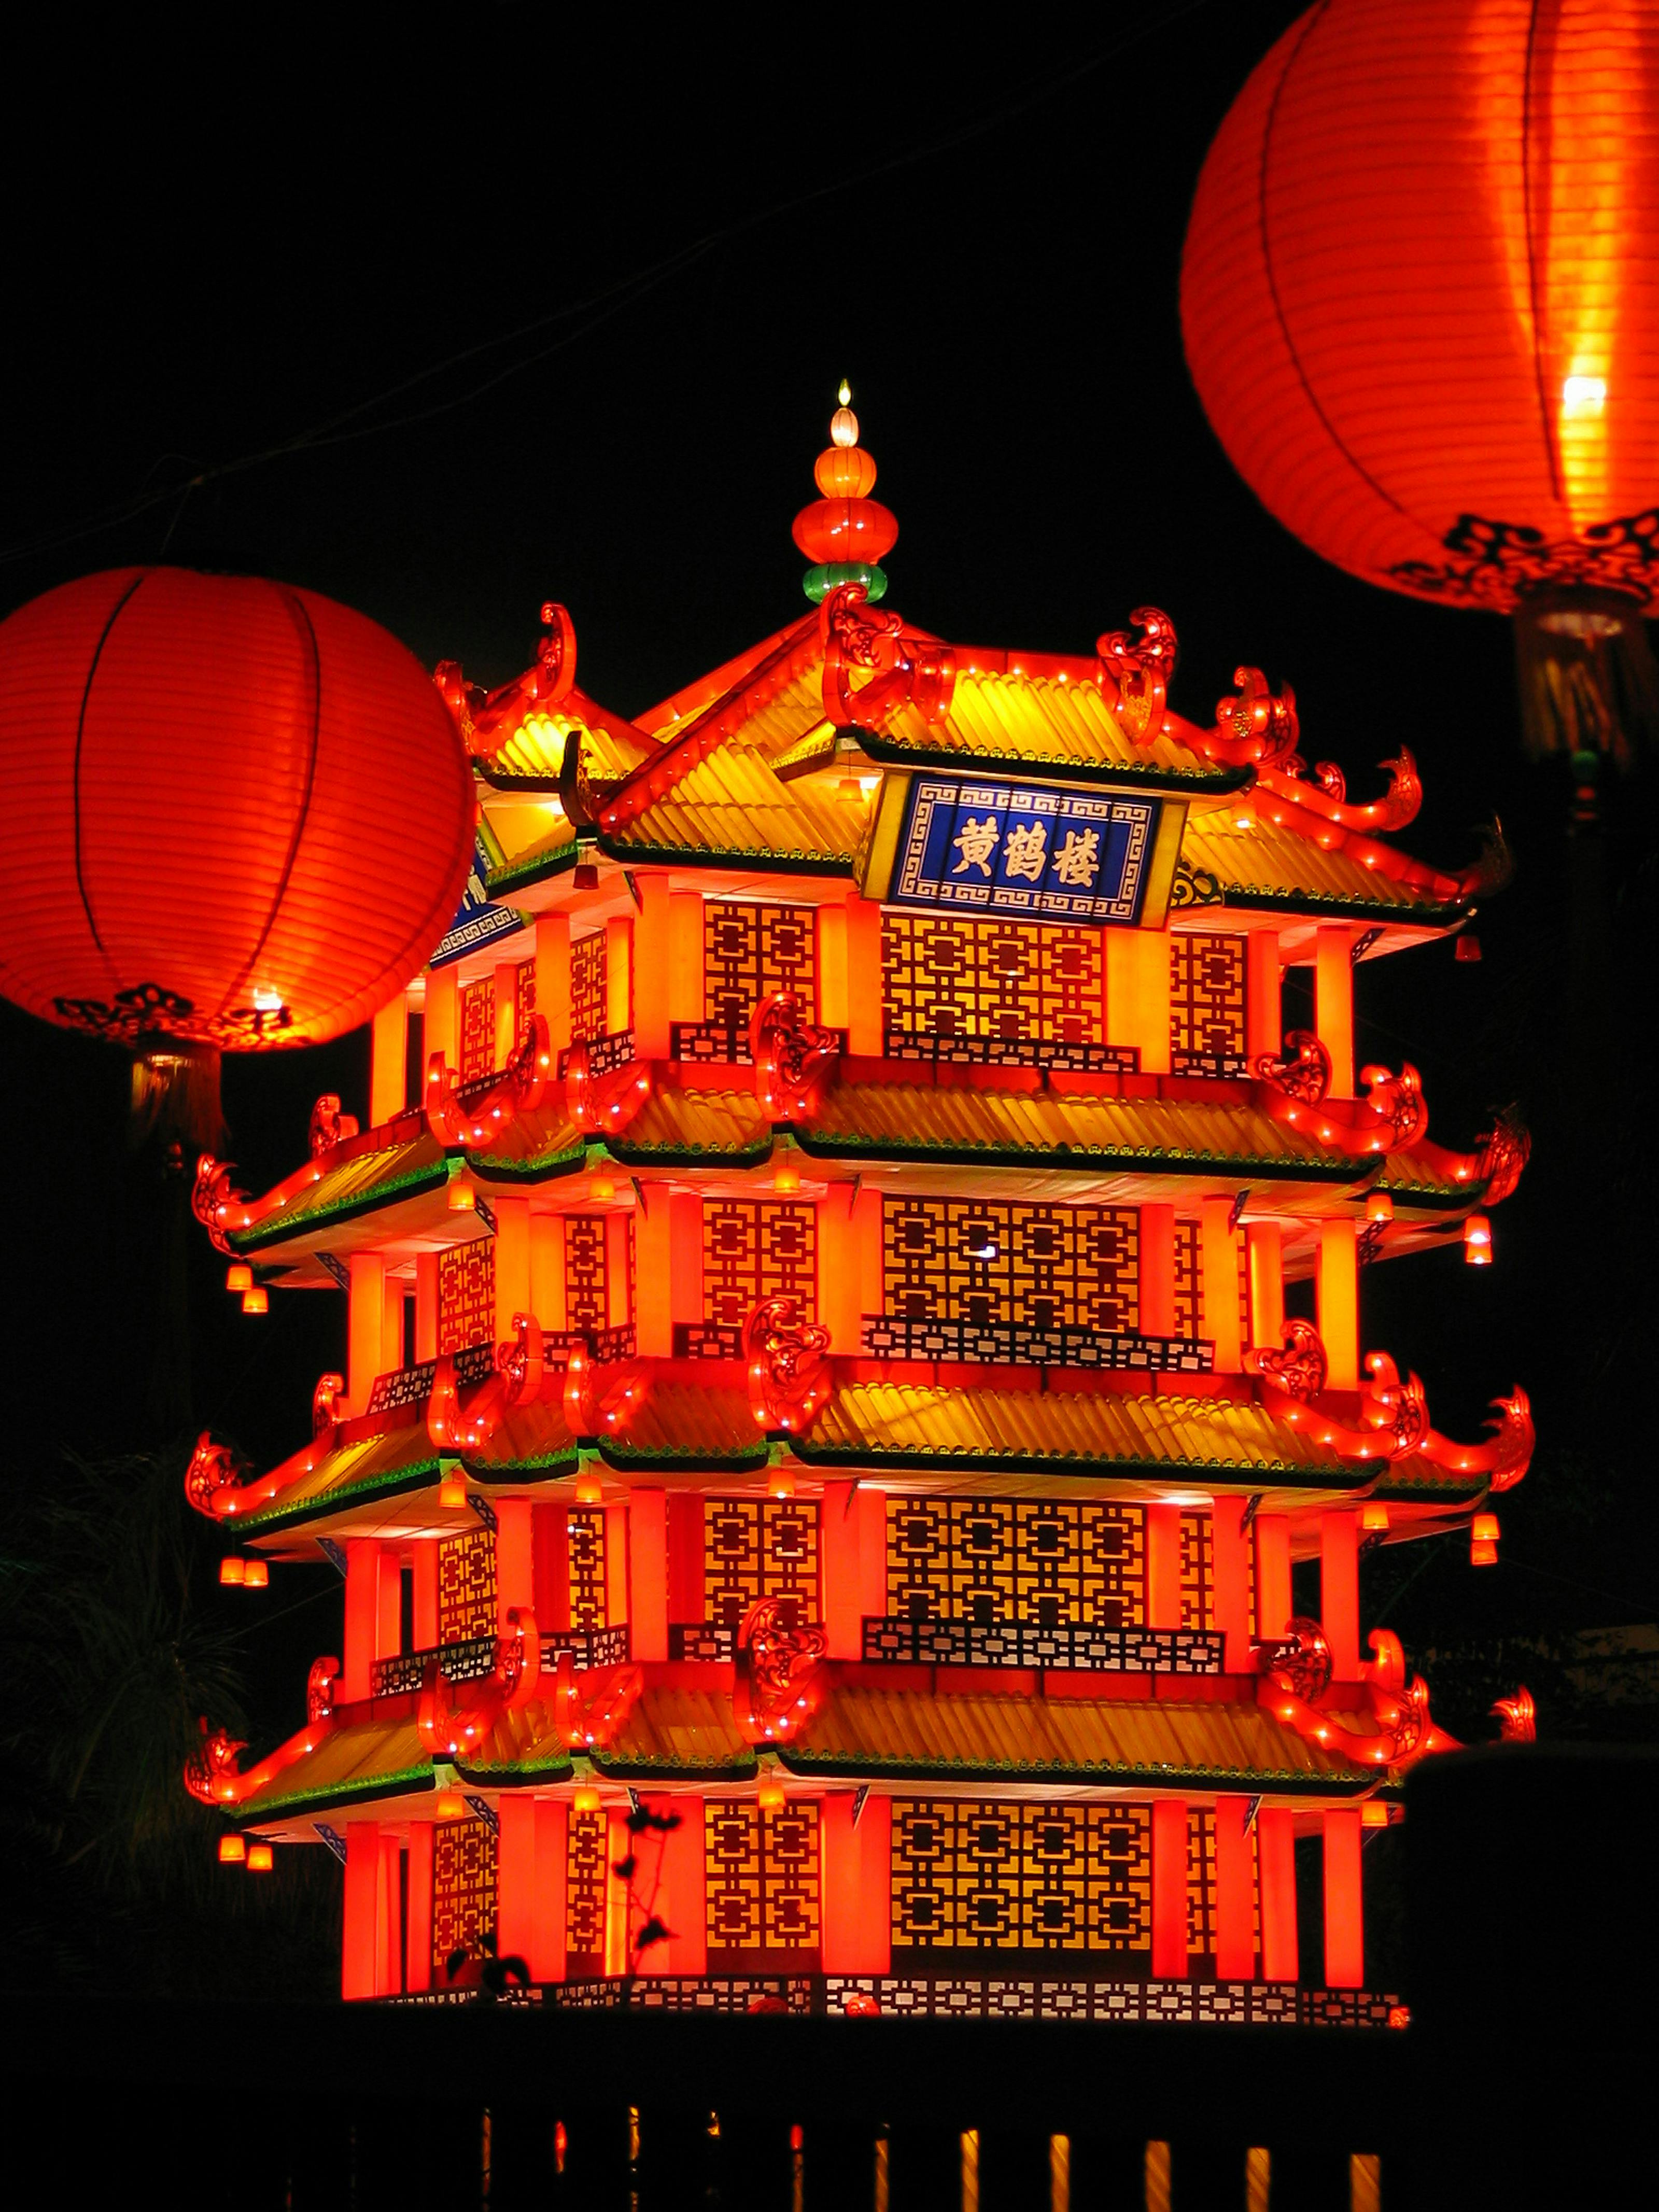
(845, 395)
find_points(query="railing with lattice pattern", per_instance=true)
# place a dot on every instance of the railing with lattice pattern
(412, 1386)
(604, 1054)
(700, 1639)
(1064, 1058)
(1079, 1647)
(603, 1345)
(706, 1339)
(1218, 1064)
(965, 1996)
(474, 1659)
(1012, 1344)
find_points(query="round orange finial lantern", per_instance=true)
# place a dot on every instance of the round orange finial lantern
(846, 533)
(250, 820)
(1420, 305)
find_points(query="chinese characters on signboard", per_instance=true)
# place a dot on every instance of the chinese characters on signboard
(1044, 854)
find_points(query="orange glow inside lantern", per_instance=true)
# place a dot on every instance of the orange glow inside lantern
(256, 1301)
(232, 1850)
(1374, 1519)
(602, 1189)
(1477, 1241)
(1373, 1816)
(770, 1793)
(1379, 1206)
(256, 1574)
(239, 1276)
(233, 1573)
(452, 1490)
(589, 1490)
(1483, 1540)
(781, 1484)
(450, 1806)
(461, 1198)
(586, 1801)
(260, 1858)
(786, 1176)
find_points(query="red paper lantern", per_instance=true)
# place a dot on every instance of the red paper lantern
(1421, 307)
(241, 819)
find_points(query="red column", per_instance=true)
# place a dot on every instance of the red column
(547, 1952)
(1275, 1829)
(388, 1603)
(1264, 1024)
(1333, 1001)
(1230, 1600)
(616, 1564)
(682, 1898)
(417, 1956)
(515, 1875)
(1219, 1319)
(388, 1934)
(550, 1537)
(647, 1573)
(515, 1558)
(1169, 1890)
(1235, 1891)
(360, 1956)
(840, 1600)
(362, 1616)
(1338, 1589)
(1345, 1918)
(1337, 1287)
(870, 1509)
(426, 1593)
(1163, 1567)
(685, 1567)
(1272, 1575)
(1157, 1316)
(856, 1875)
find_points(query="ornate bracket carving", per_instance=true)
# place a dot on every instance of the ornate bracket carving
(590, 1708)
(522, 1364)
(213, 1197)
(1135, 673)
(211, 1773)
(779, 1680)
(324, 1403)
(1505, 1460)
(603, 1105)
(1302, 1661)
(788, 1366)
(1399, 1101)
(1255, 726)
(904, 669)
(1505, 1150)
(1299, 1369)
(601, 1400)
(1517, 1717)
(1326, 795)
(478, 1115)
(213, 1469)
(1304, 1071)
(320, 1685)
(793, 1061)
(450, 1728)
(486, 722)
(329, 1126)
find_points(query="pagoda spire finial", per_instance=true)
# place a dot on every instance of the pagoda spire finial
(846, 532)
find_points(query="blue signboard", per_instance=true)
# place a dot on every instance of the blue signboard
(479, 922)
(1049, 854)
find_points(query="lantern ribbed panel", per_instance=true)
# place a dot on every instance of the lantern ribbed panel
(269, 796)
(1420, 220)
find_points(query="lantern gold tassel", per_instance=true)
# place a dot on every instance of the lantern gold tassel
(175, 1095)
(1588, 685)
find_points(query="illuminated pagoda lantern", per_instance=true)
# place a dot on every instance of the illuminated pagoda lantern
(852, 1338)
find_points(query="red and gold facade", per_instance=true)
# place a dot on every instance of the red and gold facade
(836, 1390)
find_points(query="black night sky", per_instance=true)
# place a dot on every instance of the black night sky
(531, 309)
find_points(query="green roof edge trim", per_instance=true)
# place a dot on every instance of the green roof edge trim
(1291, 1781)
(337, 1793)
(1056, 767)
(296, 1224)
(1340, 1477)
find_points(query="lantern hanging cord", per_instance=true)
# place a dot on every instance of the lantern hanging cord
(600, 308)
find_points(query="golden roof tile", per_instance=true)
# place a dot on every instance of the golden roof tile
(359, 1758)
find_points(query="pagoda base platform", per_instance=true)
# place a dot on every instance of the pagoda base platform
(907, 1997)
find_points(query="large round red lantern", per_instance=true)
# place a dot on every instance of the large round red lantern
(240, 819)
(1420, 303)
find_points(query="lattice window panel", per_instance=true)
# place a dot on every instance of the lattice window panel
(586, 1274)
(1197, 1571)
(524, 997)
(1200, 1880)
(755, 1248)
(991, 979)
(751, 951)
(1186, 1279)
(589, 987)
(762, 1880)
(984, 1874)
(1206, 995)
(478, 1029)
(994, 1560)
(588, 1567)
(585, 1875)
(463, 1891)
(466, 1586)
(466, 1295)
(755, 1547)
(1043, 1267)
